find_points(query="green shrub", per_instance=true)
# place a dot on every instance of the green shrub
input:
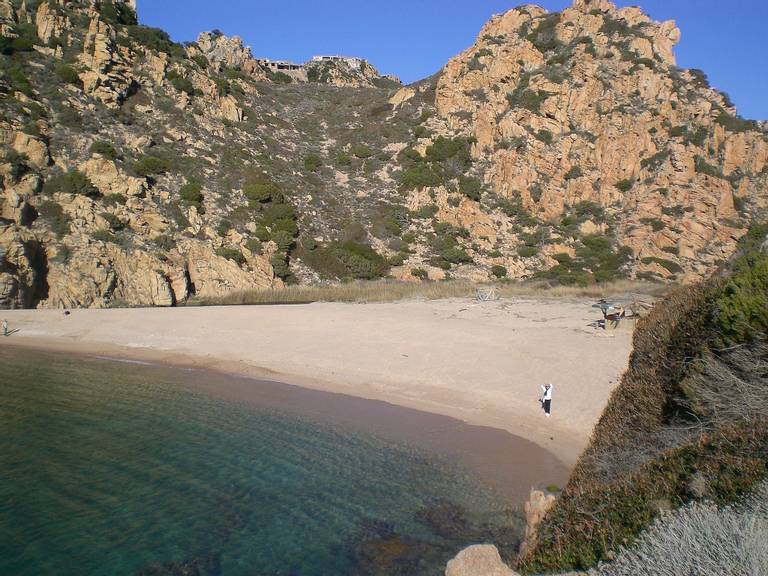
(475, 65)
(427, 211)
(114, 200)
(703, 167)
(18, 80)
(19, 162)
(72, 182)
(528, 99)
(455, 255)
(180, 83)
(670, 266)
(223, 228)
(262, 233)
(656, 224)
(280, 265)
(347, 260)
(528, 251)
(155, 39)
(361, 151)
(499, 271)
(312, 162)
(22, 44)
(674, 211)
(192, 193)
(231, 254)
(149, 166)
(544, 136)
(104, 148)
(443, 149)
(697, 138)
(343, 159)
(574, 172)
(419, 273)
(283, 239)
(544, 35)
(254, 245)
(262, 191)
(279, 77)
(587, 210)
(164, 242)
(741, 307)
(104, 236)
(67, 74)
(54, 216)
(114, 222)
(625, 185)
(736, 123)
(420, 176)
(201, 61)
(117, 13)
(471, 187)
(656, 161)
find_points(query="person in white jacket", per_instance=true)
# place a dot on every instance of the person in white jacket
(546, 399)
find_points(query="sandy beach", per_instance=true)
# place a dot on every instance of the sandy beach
(480, 362)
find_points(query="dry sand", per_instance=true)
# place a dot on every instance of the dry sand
(480, 362)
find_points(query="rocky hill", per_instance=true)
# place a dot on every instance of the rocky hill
(566, 146)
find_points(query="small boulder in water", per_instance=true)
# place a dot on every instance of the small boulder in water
(480, 560)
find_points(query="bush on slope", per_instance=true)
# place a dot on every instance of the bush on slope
(678, 415)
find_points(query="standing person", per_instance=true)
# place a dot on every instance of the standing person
(5, 327)
(546, 399)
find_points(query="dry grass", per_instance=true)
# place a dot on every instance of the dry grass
(731, 386)
(703, 540)
(393, 291)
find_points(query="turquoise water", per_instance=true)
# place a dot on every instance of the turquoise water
(110, 468)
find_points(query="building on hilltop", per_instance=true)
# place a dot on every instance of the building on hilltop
(351, 61)
(280, 65)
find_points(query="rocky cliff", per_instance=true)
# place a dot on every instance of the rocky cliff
(567, 146)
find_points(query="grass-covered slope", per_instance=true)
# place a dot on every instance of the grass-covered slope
(687, 423)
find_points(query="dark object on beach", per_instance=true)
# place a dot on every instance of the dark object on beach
(67, 312)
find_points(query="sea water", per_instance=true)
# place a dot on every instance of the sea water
(110, 468)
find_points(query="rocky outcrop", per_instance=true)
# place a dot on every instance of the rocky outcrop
(22, 268)
(7, 18)
(349, 72)
(227, 52)
(109, 179)
(587, 106)
(481, 560)
(557, 141)
(33, 148)
(537, 506)
(108, 77)
(49, 23)
(211, 275)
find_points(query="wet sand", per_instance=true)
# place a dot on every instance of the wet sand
(509, 464)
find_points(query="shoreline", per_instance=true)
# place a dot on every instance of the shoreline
(507, 464)
(441, 383)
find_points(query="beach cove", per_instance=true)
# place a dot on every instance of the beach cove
(479, 362)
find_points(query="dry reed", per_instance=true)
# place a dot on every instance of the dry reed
(393, 291)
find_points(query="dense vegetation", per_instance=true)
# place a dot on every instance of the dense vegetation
(688, 421)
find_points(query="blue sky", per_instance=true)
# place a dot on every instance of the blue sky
(415, 38)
